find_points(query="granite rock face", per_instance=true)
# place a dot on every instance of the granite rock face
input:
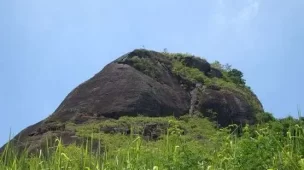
(141, 82)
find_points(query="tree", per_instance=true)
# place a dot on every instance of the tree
(227, 67)
(217, 65)
(236, 76)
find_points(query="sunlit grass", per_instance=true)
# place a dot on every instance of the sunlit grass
(265, 146)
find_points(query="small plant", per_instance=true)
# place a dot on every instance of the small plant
(145, 65)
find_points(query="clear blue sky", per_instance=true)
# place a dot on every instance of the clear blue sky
(48, 47)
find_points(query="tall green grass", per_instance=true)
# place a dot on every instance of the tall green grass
(271, 146)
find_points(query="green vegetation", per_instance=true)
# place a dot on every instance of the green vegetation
(192, 74)
(190, 142)
(231, 76)
(145, 65)
(232, 80)
(187, 143)
(115, 132)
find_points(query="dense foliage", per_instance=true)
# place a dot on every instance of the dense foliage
(188, 143)
(232, 79)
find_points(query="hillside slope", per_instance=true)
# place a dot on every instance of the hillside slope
(149, 84)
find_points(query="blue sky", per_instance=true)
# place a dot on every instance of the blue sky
(48, 47)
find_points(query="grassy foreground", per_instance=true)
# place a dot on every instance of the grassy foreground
(277, 144)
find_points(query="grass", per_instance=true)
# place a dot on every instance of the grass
(273, 145)
(186, 143)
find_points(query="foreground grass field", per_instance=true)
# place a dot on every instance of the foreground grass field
(188, 143)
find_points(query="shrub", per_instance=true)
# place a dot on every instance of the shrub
(192, 74)
(236, 76)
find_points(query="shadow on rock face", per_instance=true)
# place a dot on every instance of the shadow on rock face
(228, 107)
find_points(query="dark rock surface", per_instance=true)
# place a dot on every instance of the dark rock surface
(140, 82)
(198, 63)
(215, 73)
(121, 90)
(228, 107)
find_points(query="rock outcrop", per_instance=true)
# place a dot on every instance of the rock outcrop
(143, 82)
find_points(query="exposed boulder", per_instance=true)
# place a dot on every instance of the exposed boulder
(198, 63)
(225, 107)
(41, 135)
(121, 90)
(141, 82)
